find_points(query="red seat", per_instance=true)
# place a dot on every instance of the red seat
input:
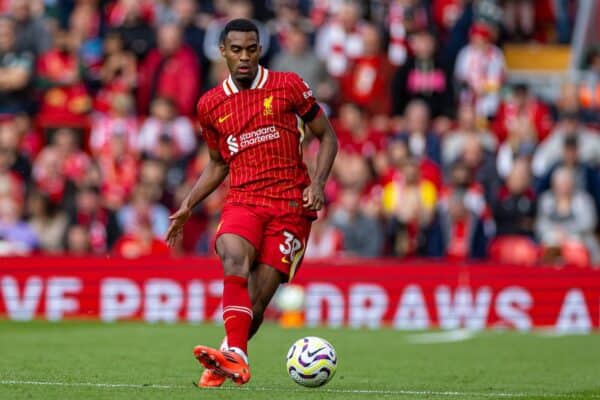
(514, 250)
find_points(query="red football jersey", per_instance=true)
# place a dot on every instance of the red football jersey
(259, 132)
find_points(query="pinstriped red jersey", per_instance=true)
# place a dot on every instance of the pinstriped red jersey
(258, 132)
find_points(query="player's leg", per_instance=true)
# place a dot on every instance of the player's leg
(263, 283)
(278, 260)
(238, 238)
(237, 256)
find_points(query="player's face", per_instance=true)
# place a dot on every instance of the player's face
(241, 50)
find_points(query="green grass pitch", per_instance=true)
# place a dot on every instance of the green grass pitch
(89, 360)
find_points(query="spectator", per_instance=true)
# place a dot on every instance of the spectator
(30, 139)
(85, 23)
(288, 16)
(522, 110)
(567, 215)
(550, 150)
(119, 120)
(367, 78)
(59, 72)
(16, 70)
(132, 20)
(152, 176)
(589, 87)
(446, 14)
(171, 71)
(409, 207)
(235, 9)
(16, 236)
(422, 77)
(421, 141)
(13, 159)
(521, 142)
(457, 233)
(340, 40)
(297, 56)
(48, 221)
(118, 72)
(453, 144)
(515, 206)
(480, 69)
(141, 241)
(100, 223)
(519, 19)
(78, 241)
(362, 234)
(587, 179)
(164, 121)
(325, 240)
(32, 35)
(482, 167)
(141, 205)
(185, 12)
(119, 169)
(404, 18)
(354, 132)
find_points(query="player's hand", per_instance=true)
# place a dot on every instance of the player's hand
(175, 231)
(313, 197)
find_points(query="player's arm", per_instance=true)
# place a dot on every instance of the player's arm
(210, 179)
(313, 196)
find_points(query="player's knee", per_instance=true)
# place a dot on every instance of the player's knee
(235, 263)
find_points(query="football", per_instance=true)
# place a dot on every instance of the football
(311, 361)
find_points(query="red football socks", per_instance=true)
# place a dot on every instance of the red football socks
(237, 311)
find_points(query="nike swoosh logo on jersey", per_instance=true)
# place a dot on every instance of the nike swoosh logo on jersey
(223, 119)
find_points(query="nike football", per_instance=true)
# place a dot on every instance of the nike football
(311, 361)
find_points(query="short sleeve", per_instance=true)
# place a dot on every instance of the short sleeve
(302, 97)
(209, 135)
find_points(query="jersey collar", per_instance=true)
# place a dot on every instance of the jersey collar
(259, 81)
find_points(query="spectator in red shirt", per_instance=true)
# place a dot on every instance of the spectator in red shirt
(61, 161)
(119, 120)
(522, 105)
(119, 169)
(170, 70)
(141, 241)
(354, 132)
(367, 81)
(65, 99)
(118, 72)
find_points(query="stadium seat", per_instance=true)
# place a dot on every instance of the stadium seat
(514, 249)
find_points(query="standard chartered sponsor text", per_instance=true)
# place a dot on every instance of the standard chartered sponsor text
(259, 136)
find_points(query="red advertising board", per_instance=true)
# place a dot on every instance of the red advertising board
(359, 293)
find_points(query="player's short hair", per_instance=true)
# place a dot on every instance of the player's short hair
(238, 25)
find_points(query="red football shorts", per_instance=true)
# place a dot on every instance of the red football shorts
(280, 239)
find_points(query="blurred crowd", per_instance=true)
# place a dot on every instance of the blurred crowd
(439, 156)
